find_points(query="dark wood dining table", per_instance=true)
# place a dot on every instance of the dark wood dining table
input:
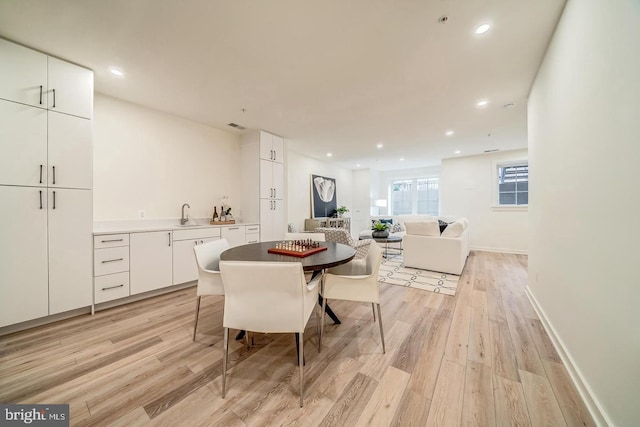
(336, 254)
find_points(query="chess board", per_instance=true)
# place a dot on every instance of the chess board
(299, 254)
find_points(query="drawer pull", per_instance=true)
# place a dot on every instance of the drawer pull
(113, 287)
(234, 228)
(112, 240)
(112, 260)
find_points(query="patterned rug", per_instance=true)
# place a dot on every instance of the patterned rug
(393, 271)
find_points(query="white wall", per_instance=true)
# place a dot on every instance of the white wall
(152, 161)
(584, 141)
(299, 171)
(468, 188)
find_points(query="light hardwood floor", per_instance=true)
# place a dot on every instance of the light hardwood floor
(480, 358)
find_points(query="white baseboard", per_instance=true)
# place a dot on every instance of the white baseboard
(593, 405)
(499, 250)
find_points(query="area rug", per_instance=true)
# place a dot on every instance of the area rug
(393, 271)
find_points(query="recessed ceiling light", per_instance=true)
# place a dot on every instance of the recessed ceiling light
(449, 133)
(402, 159)
(483, 28)
(358, 165)
(329, 154)
(116, 72)
(379, 146)
(457, 152)
(482, 103)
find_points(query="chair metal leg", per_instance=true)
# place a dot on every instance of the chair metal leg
(225, 356)
(381, 333)
(373, 308)
(195, 326)
(318, 317)
(301, 366)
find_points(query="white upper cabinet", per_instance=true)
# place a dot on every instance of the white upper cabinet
(23, 147)
(70, 152)
(23, 75)
(271, 147)
(70, 249)
(70, 88)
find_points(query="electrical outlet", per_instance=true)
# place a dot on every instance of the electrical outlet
(140, 214)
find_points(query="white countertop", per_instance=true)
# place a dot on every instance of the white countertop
(142, 225)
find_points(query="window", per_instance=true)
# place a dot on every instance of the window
(513, 184)
(415, 196)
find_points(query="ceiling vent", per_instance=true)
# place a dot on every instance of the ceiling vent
(492, 150)
(237, 126)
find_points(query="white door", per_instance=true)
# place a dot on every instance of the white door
(278, 148)
(277, 180)
(23, 145)
(235, 235)
(23, 74)
(150, 257)
(70, 249)
(266, 145)
(266, 179)
(70, 151)
(184, 261)
(24, 291)
(70, 88)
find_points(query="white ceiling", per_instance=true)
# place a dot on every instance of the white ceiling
(329, 75)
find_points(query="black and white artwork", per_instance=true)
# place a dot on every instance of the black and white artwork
(323, 196)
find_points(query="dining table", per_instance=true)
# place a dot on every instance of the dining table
(335, 254)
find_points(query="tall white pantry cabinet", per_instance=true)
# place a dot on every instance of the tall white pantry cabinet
(263, 183)
(46, 107)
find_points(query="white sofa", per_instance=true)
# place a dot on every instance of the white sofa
(425, 248)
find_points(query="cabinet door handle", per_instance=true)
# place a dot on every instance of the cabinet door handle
(54, 175)
(113, 287)
(234, 228)
(40, 174)
(169, 234)
(54, 200)
(40, 94)
(201, 242)
(112, 260)
(40, 199)
(112, 240)
(54, 99)
(274, 155)
(275, 194)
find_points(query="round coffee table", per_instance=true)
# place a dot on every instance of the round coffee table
(386, 241)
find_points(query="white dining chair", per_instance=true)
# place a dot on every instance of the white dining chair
(316, 237)
(357, 281)
(209, 280)
(267, 297)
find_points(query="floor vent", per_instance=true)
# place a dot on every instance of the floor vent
(237, 126)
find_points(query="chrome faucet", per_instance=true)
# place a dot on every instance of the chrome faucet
(184, 220)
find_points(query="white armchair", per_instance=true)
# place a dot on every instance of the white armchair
(209, 280)
(269, 297)
(360, 284)
(426, 249)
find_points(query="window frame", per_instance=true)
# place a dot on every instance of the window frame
(495, 186)
(414, 193)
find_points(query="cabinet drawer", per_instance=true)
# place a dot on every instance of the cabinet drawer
(252, 229)
(110, 260)
(110, 240)
(198, 233)
(252, 237)
(110, 287)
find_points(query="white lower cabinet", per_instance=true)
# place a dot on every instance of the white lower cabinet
(184, 260)
(70, 241)
(110, 287)
(235, 235)
(150, 257)
(24, 292)
(272, 220)
(252, 234)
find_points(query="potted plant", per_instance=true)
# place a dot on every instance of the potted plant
(380, 230)
(341, 211)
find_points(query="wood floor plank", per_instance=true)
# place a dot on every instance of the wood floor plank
(511, 407)
(541, 402)
(446, 405)
(478, 404)
(573, 408)
(479, 336)
(502, 353)
(347, 410)
(385, 400)
(457, 344)
(413, 410)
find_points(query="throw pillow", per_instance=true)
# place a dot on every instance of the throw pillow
(423, 228)
(397, 228)
(442, 225)
(454, 229)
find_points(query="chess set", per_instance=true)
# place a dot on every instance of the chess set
(297, 248)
